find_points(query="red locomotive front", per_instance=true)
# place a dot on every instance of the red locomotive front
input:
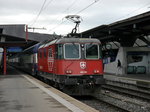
(79, 59)
(71, 61)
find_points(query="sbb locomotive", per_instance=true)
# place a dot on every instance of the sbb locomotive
(72, 63)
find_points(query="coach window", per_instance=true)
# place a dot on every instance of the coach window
(92, 51)
(72, 51)
(50, 53)
(134, 58)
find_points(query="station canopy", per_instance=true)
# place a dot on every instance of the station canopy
(17, 35)
(131, 32)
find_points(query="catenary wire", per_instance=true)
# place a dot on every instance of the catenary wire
(95, 1)
(70, 6)
(125, 16)
(34, 21)
(87, 6)
(48, 4)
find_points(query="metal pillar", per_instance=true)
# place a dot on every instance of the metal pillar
(26, 33)
(4, 56)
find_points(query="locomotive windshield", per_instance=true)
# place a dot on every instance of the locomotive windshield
(92, 51)
(72, 51)
(78, 51)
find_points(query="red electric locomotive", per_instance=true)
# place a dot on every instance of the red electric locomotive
(72, 63)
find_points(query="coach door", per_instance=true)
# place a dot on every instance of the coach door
(149, 63)
(50, 59)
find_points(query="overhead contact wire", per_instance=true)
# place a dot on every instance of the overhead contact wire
(76, 13)
(35, 20)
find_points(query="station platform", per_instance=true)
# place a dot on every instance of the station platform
(23, 93)
(136, 79)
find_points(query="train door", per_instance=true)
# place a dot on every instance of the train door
(50, 59)
(149, 63)
(34, 64)
(1, 58)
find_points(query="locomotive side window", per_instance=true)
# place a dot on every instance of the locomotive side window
(45, 52)
(100, 52)
(50, 53)
(92, 51)
(40, 53)
(60, 51)
(72, 51)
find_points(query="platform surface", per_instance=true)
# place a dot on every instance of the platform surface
(143, 77)
(19, 95)
(20, 92)
(140, 80)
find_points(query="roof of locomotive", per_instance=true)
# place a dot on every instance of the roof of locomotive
(70, 40)
(33, 49)
(77, 40)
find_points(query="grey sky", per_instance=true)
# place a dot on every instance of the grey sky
(52, 15)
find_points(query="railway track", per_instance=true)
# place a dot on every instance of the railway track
(129, 97)
(111, 102)
(99, 104)
(116, 96)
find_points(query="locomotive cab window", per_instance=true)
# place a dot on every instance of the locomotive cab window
(72, 51)
(92, 51)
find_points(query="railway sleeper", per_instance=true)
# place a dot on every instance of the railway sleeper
(128, 86)
(127, 98)
(126, 91)
(122, 103)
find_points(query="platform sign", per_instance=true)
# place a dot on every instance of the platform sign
(14, 49)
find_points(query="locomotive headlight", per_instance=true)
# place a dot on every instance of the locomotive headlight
(82, 45)
(96, 71)
(68, 71)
